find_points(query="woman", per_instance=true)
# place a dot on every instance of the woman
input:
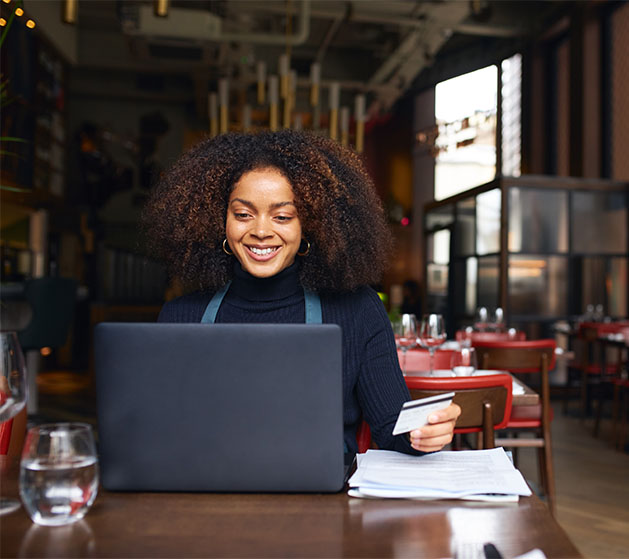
(268, 225)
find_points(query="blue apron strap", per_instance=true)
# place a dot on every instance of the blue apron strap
(311, 298)
(209, 316)
(313, 307)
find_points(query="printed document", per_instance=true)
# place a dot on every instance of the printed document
(464, 474)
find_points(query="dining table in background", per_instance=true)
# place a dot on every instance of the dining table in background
(125, 524)
(523, 395)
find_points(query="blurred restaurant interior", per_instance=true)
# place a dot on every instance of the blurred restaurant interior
(496, 133)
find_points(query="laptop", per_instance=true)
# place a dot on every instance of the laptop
(220, 407)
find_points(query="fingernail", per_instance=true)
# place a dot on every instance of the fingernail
(433, 418)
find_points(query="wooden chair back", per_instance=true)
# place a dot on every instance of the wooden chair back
(485, 401)
(533, 356)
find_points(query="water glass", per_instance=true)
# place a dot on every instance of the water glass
(463, 362)
(58, 473)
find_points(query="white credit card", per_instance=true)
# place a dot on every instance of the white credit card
(414, 414)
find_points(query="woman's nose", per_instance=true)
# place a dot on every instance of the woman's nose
(262, 228)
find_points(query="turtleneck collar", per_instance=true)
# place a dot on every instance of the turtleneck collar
(279, 286)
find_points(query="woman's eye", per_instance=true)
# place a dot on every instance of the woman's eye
(241, 215)
(284, 217)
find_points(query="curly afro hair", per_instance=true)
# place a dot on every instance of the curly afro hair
(341, 215)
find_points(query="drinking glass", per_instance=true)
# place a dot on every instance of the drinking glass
(432, 333)
(498, 320)
(58, 473)
(482, 319)
(463, 362)
(405, 332)
(13, 389)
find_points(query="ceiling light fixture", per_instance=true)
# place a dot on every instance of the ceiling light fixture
(70, 11)
(160, 8)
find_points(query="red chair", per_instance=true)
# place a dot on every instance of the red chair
(363, 437)
(419, 359)
(535, 356)
(594, 361)
(485, 401)
(620, 413)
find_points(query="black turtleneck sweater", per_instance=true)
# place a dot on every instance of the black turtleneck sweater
(373, 385)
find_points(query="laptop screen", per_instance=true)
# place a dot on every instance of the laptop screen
(220, 407)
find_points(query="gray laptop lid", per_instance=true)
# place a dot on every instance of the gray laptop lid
(220, 407)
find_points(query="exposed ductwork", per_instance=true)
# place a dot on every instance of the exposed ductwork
(201, 25)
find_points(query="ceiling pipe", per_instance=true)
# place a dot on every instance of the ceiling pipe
(410, 20)
(298, 38)
(201, 25)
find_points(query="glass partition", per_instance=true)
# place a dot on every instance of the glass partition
(538, 220)
(537, 285)
(488, 281)
(599, 222)
(465, 238)
(488, 222)
(566, 247)
(604, 282)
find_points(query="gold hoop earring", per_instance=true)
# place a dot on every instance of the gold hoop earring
(305, 253)
(225, 249)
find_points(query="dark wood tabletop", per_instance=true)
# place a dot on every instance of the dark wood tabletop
(280, 525)
(527, 397)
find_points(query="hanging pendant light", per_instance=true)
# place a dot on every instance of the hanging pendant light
(335, 93)
(160, 7)
(70, 11)
(359, 115)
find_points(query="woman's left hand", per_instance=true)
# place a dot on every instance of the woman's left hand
(438, 432)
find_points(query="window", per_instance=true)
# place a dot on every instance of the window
(466, 143)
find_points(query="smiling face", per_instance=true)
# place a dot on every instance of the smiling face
(262, 226)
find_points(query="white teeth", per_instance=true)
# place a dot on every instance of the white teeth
(263, 251)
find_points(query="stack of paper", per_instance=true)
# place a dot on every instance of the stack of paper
(485, 475)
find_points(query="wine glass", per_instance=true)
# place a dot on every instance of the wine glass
(498, 321)
(13, 391)
(482, 319)
(405, 332)
(432, 333)
(463, 362)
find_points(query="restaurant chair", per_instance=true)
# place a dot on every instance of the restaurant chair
(363, 437)
(530, 357)
(52, 300)
(418, 360)
(620, 413)
(485, 401)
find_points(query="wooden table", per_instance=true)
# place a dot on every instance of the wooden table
(283, 525)
(528, 398)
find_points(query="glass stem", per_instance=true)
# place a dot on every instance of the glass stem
(432, 360)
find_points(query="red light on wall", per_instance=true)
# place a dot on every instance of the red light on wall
(405, 221)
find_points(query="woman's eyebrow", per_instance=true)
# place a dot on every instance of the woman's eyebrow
(252, 205)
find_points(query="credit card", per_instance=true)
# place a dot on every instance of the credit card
(414, 414)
